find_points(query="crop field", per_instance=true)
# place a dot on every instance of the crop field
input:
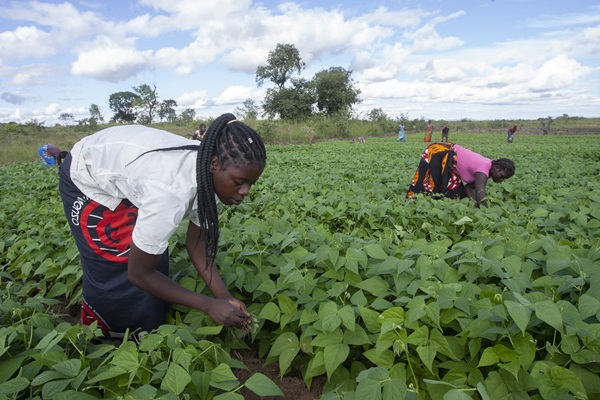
(349, 283)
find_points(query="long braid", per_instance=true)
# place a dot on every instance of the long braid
(190, 147)
(506, 165)
(234, 144)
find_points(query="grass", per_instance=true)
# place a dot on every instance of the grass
(21, 142)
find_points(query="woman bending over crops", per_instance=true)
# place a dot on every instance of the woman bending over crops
(51, 155)
(125, 191)
(453, 171)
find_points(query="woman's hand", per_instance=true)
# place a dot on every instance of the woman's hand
(228, 312)
(242, 306)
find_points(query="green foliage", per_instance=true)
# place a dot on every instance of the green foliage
(248, 111)
(282, 62)
(336, 93)
(386, 297)
(123, 106)
(146, 103)
(166, 110)
(186, 117)
(294, 103)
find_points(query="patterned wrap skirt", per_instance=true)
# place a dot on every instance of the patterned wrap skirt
(103, 238)
(435, 174)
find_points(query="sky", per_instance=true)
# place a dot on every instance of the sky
(436, 59)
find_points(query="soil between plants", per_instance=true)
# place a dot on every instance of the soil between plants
(292, 385)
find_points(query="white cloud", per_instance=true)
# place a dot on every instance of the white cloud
(398, 56)
(557, 73)
(110, 61)
(195, 100)
(427, 38)
(24, 42)
(32, 75)
(233, 95)
(51, 109)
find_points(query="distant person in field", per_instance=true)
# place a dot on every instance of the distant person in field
(445, 131)
(450, 170)
(401, 134)
(199, 134)
(511, 134)
(51, 155)
(428, 131)
(126, 189)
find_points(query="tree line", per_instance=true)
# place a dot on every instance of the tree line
(331, 92)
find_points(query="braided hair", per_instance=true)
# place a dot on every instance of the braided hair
(505, 165)
(234, 144)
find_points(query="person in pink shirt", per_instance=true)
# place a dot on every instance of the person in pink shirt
(453, 171)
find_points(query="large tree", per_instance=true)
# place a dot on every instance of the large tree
(187, 116)
(66, 118)
(122, 105)
(146, 102)
(335, 90)
(167, 110)
(95, 113)
(281, 64)
(249, 110)
(290, 103)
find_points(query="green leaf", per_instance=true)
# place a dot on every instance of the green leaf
(223, 378)
(10, 366)
(176, 379)
(262, 385)
(539, 213)
(427, 355)
(370, 319)
(488, 357)
(463, 221)
(286, 304)
(368, 389)
(109, 373)
(513, 367)
(14, 386)
(69, 368)
(229, 396)
(347, 317)
(52, 338)
(376, 251)
(588, 306)
(394, 389)
(548, 312)
(73, 394)
(150, 342)
(46, 376)
(374, 285)
(222, 373)
(519, 313)
(357, 337)
(335, 355)
(126, 357)
(456, 394)
(382, 359)
(326, 338)
(271, 312)
(525, 346)
(393, 315)
(51, 389)
(286, 346)
(209, 330)
(568, 381)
